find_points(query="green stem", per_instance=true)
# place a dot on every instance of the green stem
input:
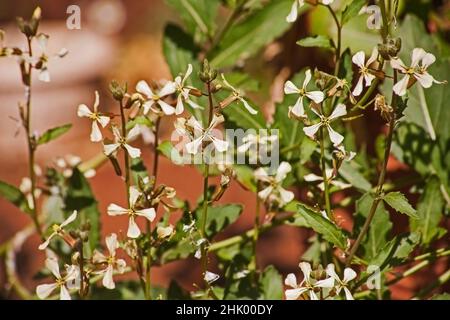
(230, 21)
(339, 39)
(253, 263)
(326, 193)
(31, 147)
(381, 180)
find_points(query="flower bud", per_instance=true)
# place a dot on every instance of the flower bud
(117, 90)
(207, 74)
(390, 49)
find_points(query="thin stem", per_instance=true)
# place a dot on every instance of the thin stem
(339, 39)
(381, 179)
(125, 153)
(253, 263)
(31, 146)
(326, 193)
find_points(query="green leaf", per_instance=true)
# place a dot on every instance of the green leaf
(170, 152)
(54, 133)
(399, 202)
(323, 226)
(352, 10)
(15, 196)
(140, 120)
(319, 41)
(429, 212)
(81, 198)
(379, 230)
(249, 37)
(353, 176)
(180, 51)
(442, 296)
(199, 16)
(219, 217)
(271, 284)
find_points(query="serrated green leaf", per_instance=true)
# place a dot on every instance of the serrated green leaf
(429, 212)
(318, 41)
(247, 38)
(398, 201)
(323, 226)
(352, 10)
(15, 196)
(54, 133)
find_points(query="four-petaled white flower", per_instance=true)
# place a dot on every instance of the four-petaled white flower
(289, 88)
(156, 98)
(238, 95)
(111, 262)
(132, 212)
(95, 116)
(123, 142)
(349, 275)
(308, 284)
(58, 230)
(420, 61)
(198, 134)
(183, 92)
(64, 283)
(41, 62)
(364, 71)
(374, 21)
(274, 187)
(335, 137)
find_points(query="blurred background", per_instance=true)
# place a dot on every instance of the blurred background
(121, 40)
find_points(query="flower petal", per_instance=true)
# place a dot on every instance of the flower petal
(335, 137)
(149, 213)
(144, 88)
(169, 88)
(310, 131)
(307, 78)
(108, 281)
(96, 134)
(64, 293)
(112, 244)
(115, 210)
(316, 96)
(70, 219)
(339, 111)
(166, 108)
(291, 280)
(283, 169)
(349, 275)
(103, 120)
(359, 59)
(247, 106)
(290, 88)
(44, 290)
(286, 196)
(294, 294)
(109, 149)
(83, 111)
(401, 86)
(53, 266)
(292, 16)
(132, 151)
(359, 86)
(133, 229)
(306, 270)
(263, 194)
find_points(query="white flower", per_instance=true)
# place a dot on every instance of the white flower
(64, 283)
(330, 175)
(164, 232)
(111, 262)
(183, 92)
(210, 277)
(308, 284)
(349, 275)
(123, 142)
(262, 142)
(275, 187)
(58, 230)
(335, 137)
(156, 98)
(42, 62)
(200, 135)
(238, 95)
(289, 88)
(420, 61)
(374, 21)
(132, 212)
(359, 59)
(95, 116)
(343, 154)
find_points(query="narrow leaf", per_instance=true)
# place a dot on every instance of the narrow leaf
(54, 133)
(15, 196)
(399, 202)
